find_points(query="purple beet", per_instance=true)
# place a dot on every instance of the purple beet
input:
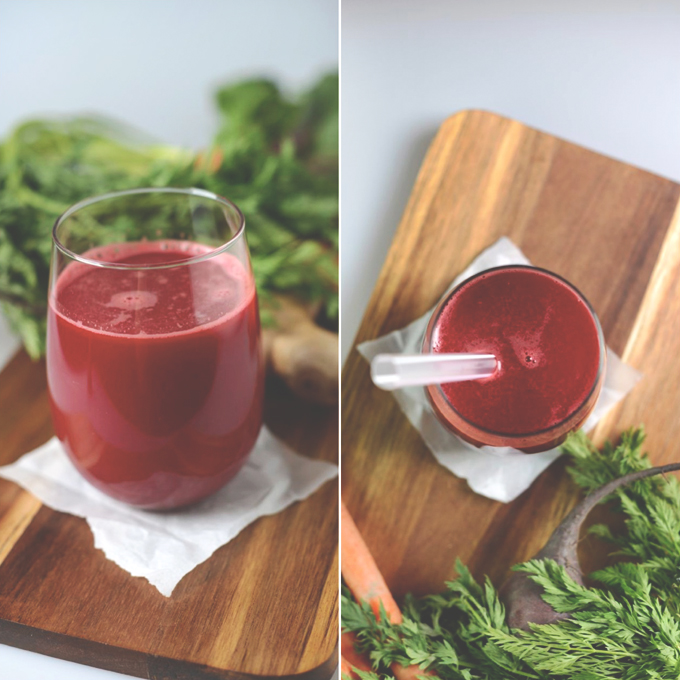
(522, 596)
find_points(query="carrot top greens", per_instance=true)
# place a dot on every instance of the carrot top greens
(627, 626)
(275, 157)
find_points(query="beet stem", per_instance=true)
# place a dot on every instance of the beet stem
(522, 596)
(562, 545)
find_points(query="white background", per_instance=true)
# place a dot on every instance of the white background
(155, 64)
(604, 74)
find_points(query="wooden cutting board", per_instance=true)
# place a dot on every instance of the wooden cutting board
(611, 229)
(263, 605)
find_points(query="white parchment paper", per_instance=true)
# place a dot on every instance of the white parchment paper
(163, 547)
(498, 473)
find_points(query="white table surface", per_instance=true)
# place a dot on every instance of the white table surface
(155, 64)
(601, 73)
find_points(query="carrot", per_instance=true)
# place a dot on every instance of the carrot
(350, 656)
(210, 163)
(367, 584)
(361, 573)
(410, 672)
(346, 669)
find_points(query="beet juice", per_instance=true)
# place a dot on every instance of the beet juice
(154, 362)
(155, 375)
(550, 353)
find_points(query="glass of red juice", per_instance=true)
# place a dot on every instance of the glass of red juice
(154, 362)
(550, 356)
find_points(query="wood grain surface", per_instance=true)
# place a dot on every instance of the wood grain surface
(263, 605)
(611, 229)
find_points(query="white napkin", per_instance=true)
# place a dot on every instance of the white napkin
(163, 547)
(498, 473)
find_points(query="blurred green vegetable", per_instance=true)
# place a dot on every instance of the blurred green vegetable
(275, 157)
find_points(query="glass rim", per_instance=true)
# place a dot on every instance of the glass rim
(600, 341)
(189, 191)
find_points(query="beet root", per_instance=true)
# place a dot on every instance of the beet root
(521, 596)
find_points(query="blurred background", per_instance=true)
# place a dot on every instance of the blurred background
(156, 65)
(601, 73)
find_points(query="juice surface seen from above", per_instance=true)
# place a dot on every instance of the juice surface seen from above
(546, 341)
(155, 375)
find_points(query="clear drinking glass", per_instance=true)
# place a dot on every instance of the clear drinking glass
(154, 362)
(550, 350)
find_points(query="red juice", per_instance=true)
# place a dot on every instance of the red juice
(550, 354)
(155, 375)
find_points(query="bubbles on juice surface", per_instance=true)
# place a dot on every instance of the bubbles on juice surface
(133, 300)
(153, 301)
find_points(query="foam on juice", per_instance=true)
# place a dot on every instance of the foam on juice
(152, 302)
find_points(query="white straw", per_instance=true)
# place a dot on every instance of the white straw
(392, 371)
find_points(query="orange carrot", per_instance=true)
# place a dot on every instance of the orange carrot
(410, 672)
(351, 657)
(367, 584)
(211, 163)
(215, 160)
(361, 572)
(346, 668)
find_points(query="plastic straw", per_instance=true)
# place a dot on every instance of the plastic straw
(392, 371)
